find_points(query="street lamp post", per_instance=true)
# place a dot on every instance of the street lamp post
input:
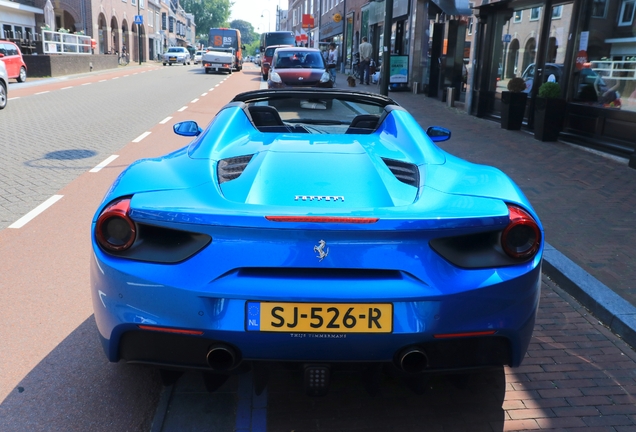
(385, 70)
(268, 19)
(139, 31)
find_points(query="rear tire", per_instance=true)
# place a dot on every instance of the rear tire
(264, 77)
(23, 75)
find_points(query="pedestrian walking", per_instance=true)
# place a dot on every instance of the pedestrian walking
(332, 60)
(366, 51)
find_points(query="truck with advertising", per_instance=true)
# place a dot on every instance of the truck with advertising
(218, 59)
(224, 39)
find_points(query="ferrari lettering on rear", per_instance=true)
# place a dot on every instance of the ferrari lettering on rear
(319, 198)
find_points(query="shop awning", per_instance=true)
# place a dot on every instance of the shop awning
(454, 7)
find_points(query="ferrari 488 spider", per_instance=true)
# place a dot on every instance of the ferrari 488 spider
(319, 227)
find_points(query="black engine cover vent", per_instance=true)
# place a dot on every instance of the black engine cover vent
(231, 168)
(404, 171)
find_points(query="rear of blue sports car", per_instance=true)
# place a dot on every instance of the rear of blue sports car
(260, 243)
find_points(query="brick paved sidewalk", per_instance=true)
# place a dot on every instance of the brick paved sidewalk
(586, 201)
(577, 375)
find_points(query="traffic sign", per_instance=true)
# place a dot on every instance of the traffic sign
(507, 38)
(139, 19)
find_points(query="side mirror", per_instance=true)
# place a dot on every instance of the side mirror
(187, 128)
(438, 134)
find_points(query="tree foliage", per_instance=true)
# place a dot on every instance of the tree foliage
(207, 13)
(248, 35)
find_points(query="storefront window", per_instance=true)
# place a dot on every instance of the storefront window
(605, 64)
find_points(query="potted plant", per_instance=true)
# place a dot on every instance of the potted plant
(513, 104)
(549, 112)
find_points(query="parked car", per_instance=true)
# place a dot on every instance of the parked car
(12, 57)
(285, 231)
(267, 59)
(257, 60)
(176, 55)
(4, 85)
(197, 57)
(298, 67)
(588, 81)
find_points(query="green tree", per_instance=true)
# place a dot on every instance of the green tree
(207, 14)
(248, 35)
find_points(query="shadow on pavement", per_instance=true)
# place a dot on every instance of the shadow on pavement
(75, 388)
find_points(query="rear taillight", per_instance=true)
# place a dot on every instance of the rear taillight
(115, 231)
(522, 237)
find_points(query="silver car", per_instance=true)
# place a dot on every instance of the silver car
(176, 55)
(4, 85)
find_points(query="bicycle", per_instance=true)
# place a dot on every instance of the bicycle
(124, 59)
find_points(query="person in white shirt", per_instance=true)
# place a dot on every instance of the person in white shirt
(366, 51)
(332, 60)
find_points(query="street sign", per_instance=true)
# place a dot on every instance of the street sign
(507, 38)
(139, 19)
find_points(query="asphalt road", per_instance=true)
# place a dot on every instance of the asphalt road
(53, 373)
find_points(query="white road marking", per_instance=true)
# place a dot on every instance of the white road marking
(166, 120)
(36, 211)
(66, 88)
(140, 137)
(211, 89)
(194, 100)
(42, 92)
(87, 83)
(182, 109)
(14, 98)
(204, 94)
(115, 77)
(106, 161)
(101, 80)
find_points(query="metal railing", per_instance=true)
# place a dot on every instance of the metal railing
(615, 69)
(65, 43)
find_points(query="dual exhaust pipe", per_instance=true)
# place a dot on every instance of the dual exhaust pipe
(223, 358)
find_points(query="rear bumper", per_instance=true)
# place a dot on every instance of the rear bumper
(122, 302)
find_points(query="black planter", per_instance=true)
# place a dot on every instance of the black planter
(548, 118)
(513, 107)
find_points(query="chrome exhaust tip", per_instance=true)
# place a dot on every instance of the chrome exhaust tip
(412, 360)
(222, 358)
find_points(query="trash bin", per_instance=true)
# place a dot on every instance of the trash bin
(450, 96)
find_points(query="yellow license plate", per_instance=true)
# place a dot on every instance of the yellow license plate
(320, 317)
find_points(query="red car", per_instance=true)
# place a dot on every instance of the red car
(297, 67)
(12, 57)
(266, 61)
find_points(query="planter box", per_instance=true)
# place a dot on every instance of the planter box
(548, 118)
(513, 107)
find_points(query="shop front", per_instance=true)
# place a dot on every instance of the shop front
(588, 47)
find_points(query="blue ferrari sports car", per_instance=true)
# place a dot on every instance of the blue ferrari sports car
(320, 227)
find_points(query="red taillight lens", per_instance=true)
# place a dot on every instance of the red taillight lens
(115, 231)
(522, 237)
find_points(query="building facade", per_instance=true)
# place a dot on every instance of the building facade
(143, 28)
